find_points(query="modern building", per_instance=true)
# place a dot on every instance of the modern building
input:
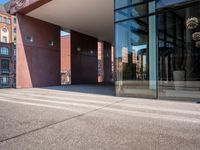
(163, 36)
(7, 48)
(156, 42)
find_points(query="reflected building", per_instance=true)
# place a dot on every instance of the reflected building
(163, 39)
(7, 48)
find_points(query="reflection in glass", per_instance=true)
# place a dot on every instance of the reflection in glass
(178, 55)
(135, 50)
(157, 56)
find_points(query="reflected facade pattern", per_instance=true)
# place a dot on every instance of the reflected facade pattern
(134, 49)
(157, 49)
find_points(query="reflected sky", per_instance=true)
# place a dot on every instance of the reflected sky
(139, 47)
(163, 3)
(3, 1)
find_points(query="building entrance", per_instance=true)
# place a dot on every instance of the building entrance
(178, 52)
(39, 46)
(157, 49)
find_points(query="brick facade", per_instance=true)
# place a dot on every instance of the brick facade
(7, 49)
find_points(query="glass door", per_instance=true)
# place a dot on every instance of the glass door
(179, 52)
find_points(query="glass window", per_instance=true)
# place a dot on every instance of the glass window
(15, 20)
(136, 51)
(4, 39)
(4, 51)
(130, 12)
(5, 65)
(124, 3)
(166, 66)
(5, 79)
(15, 30)
(4, 29)
(14, 51)
(179, 54)
(4, 19)
(9, 21)
(164, 3)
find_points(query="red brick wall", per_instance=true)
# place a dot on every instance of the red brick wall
(38, 63)
(65, 60)
(65, 53)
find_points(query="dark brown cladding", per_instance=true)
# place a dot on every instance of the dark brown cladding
(25, 6)
(84, 60)
(38, 59)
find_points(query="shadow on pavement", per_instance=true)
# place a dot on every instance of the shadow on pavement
(100, 89)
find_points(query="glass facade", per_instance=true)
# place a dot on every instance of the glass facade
(172, 3)
(179, 53)
(135, 48)
(157, 51)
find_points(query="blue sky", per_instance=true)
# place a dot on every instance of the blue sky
(63, 33)
(3, 1)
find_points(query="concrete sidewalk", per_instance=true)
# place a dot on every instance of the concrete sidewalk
(88, 118)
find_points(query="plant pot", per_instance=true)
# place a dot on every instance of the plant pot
(179, 79)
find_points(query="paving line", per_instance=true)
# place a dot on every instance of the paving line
(65, 96)
(38, 91)
(126, 112)
(55, 102)
(68, 101)
(40, 105)
(109, 98)
(64, 101)
(155, 116)
(58, 98)
(161, 109)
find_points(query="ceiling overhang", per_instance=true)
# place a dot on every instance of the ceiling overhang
(91, 17)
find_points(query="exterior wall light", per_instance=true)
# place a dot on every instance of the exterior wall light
(78, 49)
(29, 39)
(107, 55)
(51, 42)
(91, 52)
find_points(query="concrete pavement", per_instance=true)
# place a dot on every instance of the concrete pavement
(91, 118)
